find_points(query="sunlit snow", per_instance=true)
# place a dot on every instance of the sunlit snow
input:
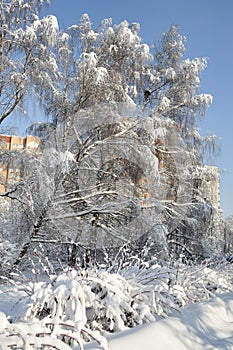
(204, 326)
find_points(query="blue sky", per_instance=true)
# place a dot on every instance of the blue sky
(208, 27)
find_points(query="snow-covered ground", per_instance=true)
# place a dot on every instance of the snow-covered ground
(67, 309)
(204, 326)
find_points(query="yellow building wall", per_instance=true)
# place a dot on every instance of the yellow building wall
(10, 174)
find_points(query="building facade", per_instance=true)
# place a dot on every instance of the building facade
(9, 173)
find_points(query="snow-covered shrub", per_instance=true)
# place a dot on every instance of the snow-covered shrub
(105, 300)
(8, 252)
(49, 333)
(191, 283)
(173, 284)
(126, 291)
(98, 299)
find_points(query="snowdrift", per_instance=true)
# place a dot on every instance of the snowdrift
(204, 326)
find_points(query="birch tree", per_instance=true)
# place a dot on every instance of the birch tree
(99, 190)
(97, 66)
(25, 52)
(119, 155)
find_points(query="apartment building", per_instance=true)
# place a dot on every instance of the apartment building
(9, 173)
(208, 186)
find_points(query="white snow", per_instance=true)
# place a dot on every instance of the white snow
(204, 326)
(32, 144)
(164, 104)
(51, 28)
(199, 326)
(101, 74)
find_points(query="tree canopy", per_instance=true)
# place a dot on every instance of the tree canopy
(120, 151)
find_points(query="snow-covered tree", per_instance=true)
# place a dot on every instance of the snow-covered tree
(228, 234)
(25, 57)
(106, 65)
(99, 189)
(173, 92)
(119, 156)
(113, 181)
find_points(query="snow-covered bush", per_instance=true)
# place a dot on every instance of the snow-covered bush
(8, 252)
(98, 299)
(49, 333)
(81, 304)
(104, 299)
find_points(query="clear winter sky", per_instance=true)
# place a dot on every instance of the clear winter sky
(208, 27)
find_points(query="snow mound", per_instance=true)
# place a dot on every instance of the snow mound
(204, 326)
